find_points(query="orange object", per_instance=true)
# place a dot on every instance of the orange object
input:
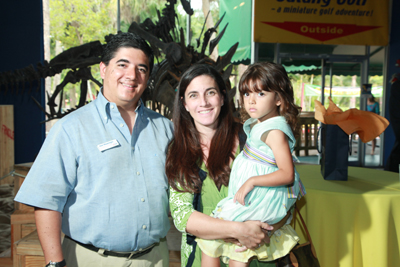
(367, 125)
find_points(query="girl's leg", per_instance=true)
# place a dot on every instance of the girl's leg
(209, 261)
(233, 263)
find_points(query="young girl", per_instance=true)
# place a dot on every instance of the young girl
(264, 184)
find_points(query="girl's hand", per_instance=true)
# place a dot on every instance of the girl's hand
(243, 191)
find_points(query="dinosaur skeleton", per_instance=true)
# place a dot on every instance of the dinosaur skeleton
(163, 79)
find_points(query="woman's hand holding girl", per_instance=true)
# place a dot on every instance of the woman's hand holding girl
(251, 235)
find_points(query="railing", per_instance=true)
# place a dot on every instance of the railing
(308, 134)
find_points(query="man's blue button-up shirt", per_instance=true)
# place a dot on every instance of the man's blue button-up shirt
(109, 185)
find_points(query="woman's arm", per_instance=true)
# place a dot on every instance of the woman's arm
(249, 233)
(279, 145)
(246, 234)
(207, 227)
(186, 219)
(181, 206)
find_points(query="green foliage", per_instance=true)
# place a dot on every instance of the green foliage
(139, 11)
(343, 102)
(376, 80)
(75, 22)
(197, 22)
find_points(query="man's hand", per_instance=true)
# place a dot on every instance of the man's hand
(243, 191)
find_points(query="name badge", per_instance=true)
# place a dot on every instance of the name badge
(108, 145)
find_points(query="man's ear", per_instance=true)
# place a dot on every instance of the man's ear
(102, 69)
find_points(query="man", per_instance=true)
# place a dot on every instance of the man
(100, 175)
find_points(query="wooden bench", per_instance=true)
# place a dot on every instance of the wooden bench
(28, 252)
(22, 224)
(23, 218)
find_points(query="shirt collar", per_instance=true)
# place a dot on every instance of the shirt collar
(103, 106)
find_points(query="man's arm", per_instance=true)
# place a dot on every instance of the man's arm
(48, 224)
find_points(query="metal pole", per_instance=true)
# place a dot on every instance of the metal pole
(322, 81)
(277, 55)
(363, 102)
(118, 17)
(331, 79)
(364, 76)
(188, 28)
(384, 103)
(253, 58)
(322, 102)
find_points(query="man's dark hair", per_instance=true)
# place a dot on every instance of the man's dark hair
(127, 40)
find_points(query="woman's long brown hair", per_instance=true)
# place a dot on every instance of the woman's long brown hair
(185, 155)
(272, 77)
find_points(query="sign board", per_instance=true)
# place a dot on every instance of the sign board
(366, 90)
(353, 22)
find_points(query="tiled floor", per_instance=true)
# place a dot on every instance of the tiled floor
(370, 160)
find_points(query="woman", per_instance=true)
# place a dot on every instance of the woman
(206, 140)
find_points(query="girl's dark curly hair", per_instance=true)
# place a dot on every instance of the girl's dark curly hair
(271, 77)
